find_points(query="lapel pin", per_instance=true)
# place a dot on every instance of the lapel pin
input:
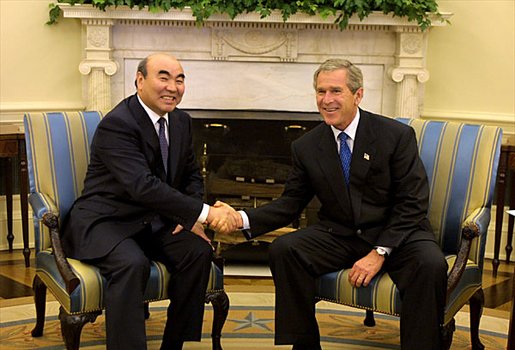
(366, 156)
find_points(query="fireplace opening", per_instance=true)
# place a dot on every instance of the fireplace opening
(245, 160)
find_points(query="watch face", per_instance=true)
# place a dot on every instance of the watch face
(381, 251)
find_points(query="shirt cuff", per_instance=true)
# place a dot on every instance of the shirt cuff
(388, 250)
(203, 214)
(245, 218)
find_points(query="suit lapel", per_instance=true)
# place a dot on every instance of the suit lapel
(329, 162)
(148, 132)
(174, 136)
(363, 155)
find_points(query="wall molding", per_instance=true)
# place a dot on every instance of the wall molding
(40, 106)
(12, 112)
(504, 120)
(483, 117)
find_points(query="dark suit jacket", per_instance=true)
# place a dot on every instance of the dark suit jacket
(126, 185)
(387, 200)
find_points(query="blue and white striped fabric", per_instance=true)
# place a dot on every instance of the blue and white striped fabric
(58, 154)
(461, 163)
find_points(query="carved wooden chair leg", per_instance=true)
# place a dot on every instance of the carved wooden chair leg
(447, 334)
(39, 289)
(71, 326)
(147, 311)
(220, 303)
(476, 310)
(369, 319)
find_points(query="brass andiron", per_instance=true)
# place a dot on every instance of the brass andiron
(203, 171)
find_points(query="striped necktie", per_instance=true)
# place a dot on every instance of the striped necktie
(163, 143)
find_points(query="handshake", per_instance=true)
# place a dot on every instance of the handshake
(223, 218)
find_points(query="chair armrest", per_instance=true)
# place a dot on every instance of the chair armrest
(474, 226)
(70, 279)
(45, 209)
(42, 204)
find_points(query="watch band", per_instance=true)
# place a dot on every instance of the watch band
(381, 252)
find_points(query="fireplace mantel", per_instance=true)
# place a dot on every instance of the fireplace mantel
(251, 63)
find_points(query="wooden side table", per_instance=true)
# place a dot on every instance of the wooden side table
(12, 144)
(506, 168)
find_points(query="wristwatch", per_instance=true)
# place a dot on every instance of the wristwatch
(381, 252)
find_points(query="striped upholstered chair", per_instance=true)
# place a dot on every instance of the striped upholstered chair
(58, 155)
(461, 163)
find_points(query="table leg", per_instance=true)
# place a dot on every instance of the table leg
(24, 201)
(509, 247)
(9, 200)
(511, 332)
(511, 218)
(499, 210)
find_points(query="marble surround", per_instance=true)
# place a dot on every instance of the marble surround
(251, 63)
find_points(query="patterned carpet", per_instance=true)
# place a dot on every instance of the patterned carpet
(249, 326)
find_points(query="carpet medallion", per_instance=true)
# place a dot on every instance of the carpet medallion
(249, 326)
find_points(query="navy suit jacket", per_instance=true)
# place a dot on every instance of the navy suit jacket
(387, 201)
(126, 185)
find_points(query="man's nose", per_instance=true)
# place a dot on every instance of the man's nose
(327, 97)
(171, 86)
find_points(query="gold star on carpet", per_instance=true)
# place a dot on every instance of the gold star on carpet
(250, 321)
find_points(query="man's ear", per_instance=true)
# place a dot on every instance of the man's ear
(358, 96)
(139, 80)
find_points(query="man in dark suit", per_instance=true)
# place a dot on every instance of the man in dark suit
(371, 218)
(142, 200)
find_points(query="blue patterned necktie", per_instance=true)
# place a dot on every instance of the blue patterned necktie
(163, 143)
(345, 155)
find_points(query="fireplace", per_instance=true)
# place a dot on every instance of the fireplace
(245, 161)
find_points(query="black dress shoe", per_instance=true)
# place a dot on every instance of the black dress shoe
(306, 347)
(174, 345)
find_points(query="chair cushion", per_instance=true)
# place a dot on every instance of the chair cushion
(382, 295)
(88, 295)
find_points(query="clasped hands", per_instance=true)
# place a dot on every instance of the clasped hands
(223, 218)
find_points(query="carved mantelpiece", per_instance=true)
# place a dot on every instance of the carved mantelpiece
(253, 63)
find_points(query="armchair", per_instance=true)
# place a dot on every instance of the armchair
(461, 163)
(58, 155)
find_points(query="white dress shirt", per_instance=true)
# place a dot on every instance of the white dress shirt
(154, 117)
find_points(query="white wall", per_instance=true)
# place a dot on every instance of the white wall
(38, 63)
(471, 63)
